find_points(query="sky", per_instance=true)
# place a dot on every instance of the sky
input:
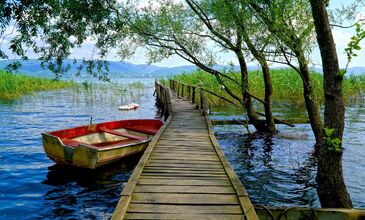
(341, 37)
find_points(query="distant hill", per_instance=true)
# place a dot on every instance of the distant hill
(33, 67)
(123, 69)
(127, 69)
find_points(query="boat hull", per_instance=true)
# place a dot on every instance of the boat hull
(86, 155)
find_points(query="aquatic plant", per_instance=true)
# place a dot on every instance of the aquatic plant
(13, 86)
(287, 86)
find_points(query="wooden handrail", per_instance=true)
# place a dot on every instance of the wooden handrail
(163, 99)
(179, 89)
(203, 103)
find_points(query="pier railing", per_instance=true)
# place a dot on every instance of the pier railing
(194, 94)
(189, 92)
(163, 100)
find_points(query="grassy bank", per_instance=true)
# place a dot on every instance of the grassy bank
(287, 85)
(13, 86)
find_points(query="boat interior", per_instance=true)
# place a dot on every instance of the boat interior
(107, 134)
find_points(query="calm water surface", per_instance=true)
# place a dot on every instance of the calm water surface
(31, 186)
(276, 171)
(280, 170)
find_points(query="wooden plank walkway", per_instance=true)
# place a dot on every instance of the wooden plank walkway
(184, 174)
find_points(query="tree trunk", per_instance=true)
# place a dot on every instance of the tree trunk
(268, 97)
(310, 103)
(270, 123)
(247, 100)
(331, 188)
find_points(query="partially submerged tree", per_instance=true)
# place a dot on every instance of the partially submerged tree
(235, 13)
(290, 22)
(331, 188)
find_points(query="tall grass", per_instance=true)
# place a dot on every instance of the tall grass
(109, 93)
(13, 86)
(287, 85)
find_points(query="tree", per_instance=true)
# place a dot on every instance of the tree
(291, 24)
(53, 28)
(293, 33)
(331, 187)
(238, 14)
(187, 35)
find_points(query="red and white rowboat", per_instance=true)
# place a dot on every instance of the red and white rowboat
(95, 145)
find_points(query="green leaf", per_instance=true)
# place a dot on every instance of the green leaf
(342, 72)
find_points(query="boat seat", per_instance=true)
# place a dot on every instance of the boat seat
(149, 131)
(117, 133)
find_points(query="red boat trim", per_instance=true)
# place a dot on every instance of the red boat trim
(148, 126)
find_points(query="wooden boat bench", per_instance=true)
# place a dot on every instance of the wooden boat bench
(149, 131)
(73, 143)
(117, 133)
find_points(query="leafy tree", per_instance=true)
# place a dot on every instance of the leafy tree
(195, 31)
(52, 29)
(331, 188)
(291, 23)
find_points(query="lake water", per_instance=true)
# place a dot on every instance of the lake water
(281, 170)
(276, 171)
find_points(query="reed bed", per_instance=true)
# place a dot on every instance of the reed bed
(13, 86)
(287, 86)
(109, 93)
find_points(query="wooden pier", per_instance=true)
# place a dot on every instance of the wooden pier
(183, 173)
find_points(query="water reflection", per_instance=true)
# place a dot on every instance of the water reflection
(93, 194)
(273, 172)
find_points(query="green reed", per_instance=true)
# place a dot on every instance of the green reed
(287, 85)
(13, 86)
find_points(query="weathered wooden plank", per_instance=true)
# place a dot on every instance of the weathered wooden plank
(182, 171)
(210, 178)
(185, 144)
(163, 161)
(184, 134)
(203, 139)
(185, 189)
(168, 168)
(158, 175)
(183, 216)
(190, 209)
(184, 156)
(248, 208)
(185, 165)
(183, 151)
(186, 148)
(179, 198)
(184, 182)
(121, 208)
